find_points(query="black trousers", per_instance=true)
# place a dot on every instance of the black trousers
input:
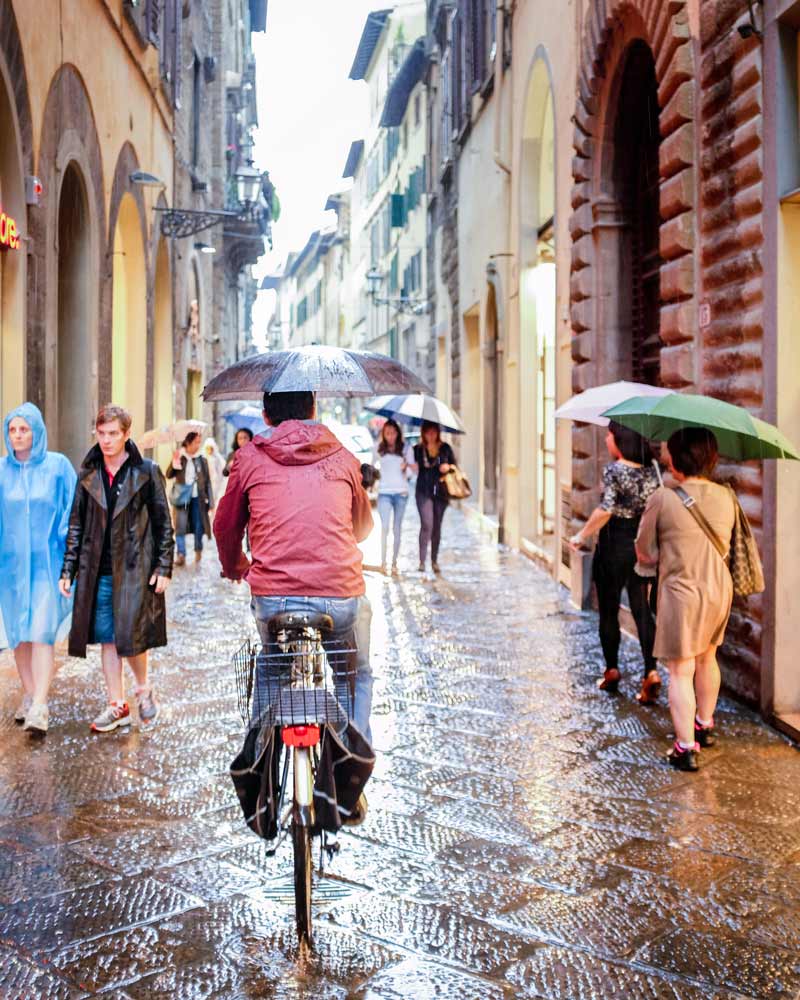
(613, 570)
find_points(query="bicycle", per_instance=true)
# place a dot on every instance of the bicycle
(299, 684)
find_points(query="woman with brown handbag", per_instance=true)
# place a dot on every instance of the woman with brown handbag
(433, 458)
(695, 590)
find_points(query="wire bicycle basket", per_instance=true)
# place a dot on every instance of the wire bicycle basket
(302, 680)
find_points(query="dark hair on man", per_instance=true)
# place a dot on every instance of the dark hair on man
(191, 437)
(280, 406)
(245, 430)
(430, 425)
(383, 444)
(694, 451)
(109, 413)
(632, 446)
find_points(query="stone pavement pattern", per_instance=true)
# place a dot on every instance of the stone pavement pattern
(524, 838)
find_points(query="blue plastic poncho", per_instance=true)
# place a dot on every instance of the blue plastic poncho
(35, 503)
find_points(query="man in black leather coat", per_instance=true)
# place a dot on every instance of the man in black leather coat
(119, 553)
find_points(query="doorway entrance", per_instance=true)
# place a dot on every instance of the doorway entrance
(634, 190)
(75, 360)
(129, 318)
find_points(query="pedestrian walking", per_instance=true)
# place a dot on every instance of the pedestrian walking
(628, 482)
(695, 589)
(216, 467)
(394, 459)
(242, 437)
(432, 459)
(192, 496)
(119, 554)
(36, 491)
(298, 492)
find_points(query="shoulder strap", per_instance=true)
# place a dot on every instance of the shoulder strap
(691, 505)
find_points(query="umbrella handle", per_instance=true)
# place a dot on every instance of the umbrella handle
(657, 467)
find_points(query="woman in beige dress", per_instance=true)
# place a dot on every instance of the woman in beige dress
(695, 589)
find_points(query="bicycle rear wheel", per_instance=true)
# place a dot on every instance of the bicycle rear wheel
(301, 844)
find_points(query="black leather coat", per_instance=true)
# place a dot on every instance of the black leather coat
(141, 544)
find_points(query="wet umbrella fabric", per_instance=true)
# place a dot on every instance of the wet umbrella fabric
(326, 371)
(589, 406)
(739, 434)
(413, 409)
(249, 417)
(170, 433)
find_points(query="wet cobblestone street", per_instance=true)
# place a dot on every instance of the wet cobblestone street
(524, 838)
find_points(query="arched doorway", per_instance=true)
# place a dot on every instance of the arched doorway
(163, 384)
(491, 409)
(129, 315)
(74, 352)
(13, 227)
(537, 391)
(631, 182)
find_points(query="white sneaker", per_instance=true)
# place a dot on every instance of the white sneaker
(22, 710)
(37, 719)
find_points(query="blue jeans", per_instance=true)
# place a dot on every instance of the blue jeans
(194, 526)
(103, 620)
(352, 621)
(391, 504)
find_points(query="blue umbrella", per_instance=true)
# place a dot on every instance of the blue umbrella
(249, 417)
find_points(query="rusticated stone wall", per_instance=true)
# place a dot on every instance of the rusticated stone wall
(732, 243)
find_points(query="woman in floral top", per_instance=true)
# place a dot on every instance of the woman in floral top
(628, 481)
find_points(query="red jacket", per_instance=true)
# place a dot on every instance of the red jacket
(299, 494)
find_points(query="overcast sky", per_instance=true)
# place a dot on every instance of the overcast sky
(309, 113)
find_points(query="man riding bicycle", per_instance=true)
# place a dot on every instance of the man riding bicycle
(297, 492)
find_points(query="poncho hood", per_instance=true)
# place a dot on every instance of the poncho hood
(32, 416)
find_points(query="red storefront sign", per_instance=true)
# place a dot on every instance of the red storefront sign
(9, 233)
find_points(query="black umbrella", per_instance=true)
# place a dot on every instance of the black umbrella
(326, 371)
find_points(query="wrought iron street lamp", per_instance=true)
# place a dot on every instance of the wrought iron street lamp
(181, 222)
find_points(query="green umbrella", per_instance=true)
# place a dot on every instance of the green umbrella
(739, 434)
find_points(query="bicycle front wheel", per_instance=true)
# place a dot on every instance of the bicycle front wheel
(301, 843)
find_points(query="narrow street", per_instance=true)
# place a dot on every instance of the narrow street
(524, 838)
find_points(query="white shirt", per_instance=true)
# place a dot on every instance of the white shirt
(393, 478)
(191, 474)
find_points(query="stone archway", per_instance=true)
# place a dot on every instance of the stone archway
(125, 375)
(69, 154)
(617, 32)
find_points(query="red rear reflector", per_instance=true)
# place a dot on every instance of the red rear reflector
(300, 736)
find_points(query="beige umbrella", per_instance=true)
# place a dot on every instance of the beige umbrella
(170, 433)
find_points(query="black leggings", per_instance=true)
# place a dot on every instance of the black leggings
(613, 570)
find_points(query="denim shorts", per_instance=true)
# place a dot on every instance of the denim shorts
(103, 621)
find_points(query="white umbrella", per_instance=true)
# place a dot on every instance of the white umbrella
(413, 409)
(588, 406)
(169, 433)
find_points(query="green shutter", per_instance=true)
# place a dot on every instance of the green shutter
(398, 211)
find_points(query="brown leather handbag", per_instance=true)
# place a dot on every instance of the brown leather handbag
(455, 483)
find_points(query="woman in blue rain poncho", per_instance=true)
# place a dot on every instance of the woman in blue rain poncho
(36, 491)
